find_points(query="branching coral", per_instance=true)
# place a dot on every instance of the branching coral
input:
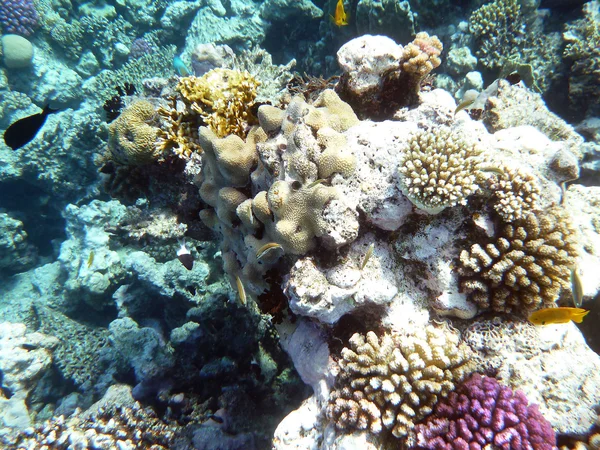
(132, 136)
(394, 381)
(438, 169)
(498, 29)
(224, 98)
(422, 55)
(483, 414)
(515, 193)
(179, 132)
(525, 268)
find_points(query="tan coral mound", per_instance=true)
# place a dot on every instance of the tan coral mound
(132, 136)
(422, 55)
(525, 268)
(439, 169)
(394, 381)
(515, 193)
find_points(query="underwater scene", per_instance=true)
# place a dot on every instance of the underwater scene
(300, 224)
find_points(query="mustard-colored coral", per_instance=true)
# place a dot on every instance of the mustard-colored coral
(133, 136)
(394, 381)
(523, 269)
(224, 98)
(179, 132)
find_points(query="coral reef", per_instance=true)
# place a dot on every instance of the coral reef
(133, 135)
(16, 253)
(18, 17)
(526, 266)
(439, 169)
(582, 53)
(482, 413)
(394, 381)
(223, 98)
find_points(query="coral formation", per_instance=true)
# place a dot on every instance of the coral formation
(16, 253)
(525, 267)
(515, 193)
(179, 130)
(422, 55)
(394, 381)
(18, 17)
(133, 135)
(498, 30)
(223, 98)
(439, 169)
(482, 413)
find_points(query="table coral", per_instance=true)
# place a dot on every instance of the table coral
(439, 169)
(483, 414)
(525, 267)
(394, 381)
(133, 136)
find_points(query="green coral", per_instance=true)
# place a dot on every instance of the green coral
(394, 381)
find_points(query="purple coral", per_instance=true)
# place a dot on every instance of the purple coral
(18, 17)
(482, 412)
(139, 48)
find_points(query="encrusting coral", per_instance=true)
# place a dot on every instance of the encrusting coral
(439, 169)
(133, 135)
(223, 98)
(525, 267)
(394, 381)
(483, 414)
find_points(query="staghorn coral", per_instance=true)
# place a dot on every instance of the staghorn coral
(483, 414)
(438, 169)
(525, 268)
(515, 193)
(223, 98)
(498, 28)
(394, 381)
(133, 136)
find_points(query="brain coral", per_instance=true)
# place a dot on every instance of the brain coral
(525, 268)
(483, 414)
(394, 381)
(133, 137)
(438, 169)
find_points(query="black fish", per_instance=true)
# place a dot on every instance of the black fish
(185, 257)
(24, 130)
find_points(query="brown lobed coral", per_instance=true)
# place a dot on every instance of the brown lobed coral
(525, 268)
(394, 381)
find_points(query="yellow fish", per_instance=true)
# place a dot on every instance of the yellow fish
(547, 316)
(340, 18)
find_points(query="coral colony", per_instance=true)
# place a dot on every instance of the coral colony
(201, 249)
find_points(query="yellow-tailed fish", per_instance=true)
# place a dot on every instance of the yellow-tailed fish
(468, 99)
(497, 170)
(367, 255)
(90, 260)
(576, 288)
(267, 248)
(340, 18)
(547, 316)
(241, 290)
(316, 182)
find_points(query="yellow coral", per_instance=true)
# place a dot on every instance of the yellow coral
(224, 98)
(422, 55)
(179, 132)
(132, 137)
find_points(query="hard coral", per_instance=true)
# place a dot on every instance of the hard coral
(422, 55)
(179, 132)
(483, 414)
(224, 98)
(133, 136)
(18, 17)
(438, 169)
(525, 268)
(394, 381)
